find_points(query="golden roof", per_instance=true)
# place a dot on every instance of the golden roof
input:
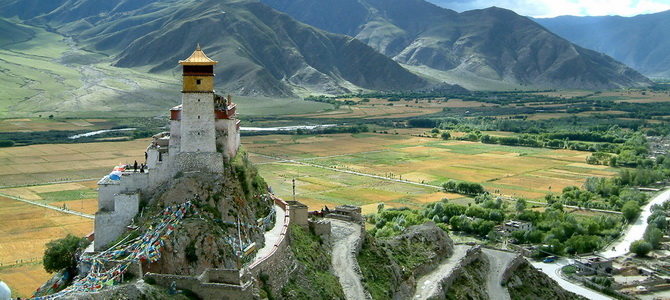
(198, 58)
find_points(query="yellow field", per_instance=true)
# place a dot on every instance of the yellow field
(58, 162)
(24, 231)
(514, 171)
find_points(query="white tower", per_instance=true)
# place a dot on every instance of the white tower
(197, 116)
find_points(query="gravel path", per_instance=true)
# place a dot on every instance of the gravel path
(499, 261)
(345, 235)
(430, 284)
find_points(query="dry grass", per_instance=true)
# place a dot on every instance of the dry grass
(57, 162)
(25, 229)
(24, 279)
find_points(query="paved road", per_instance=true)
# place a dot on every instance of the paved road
(637, 229)
(345, 237)
(499, 261)
(553, 269)
(430, 285)
(272, 235)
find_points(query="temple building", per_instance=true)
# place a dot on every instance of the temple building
(204, 132)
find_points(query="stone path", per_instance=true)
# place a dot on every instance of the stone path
(273, 234)
(345, 236)
(430, 285)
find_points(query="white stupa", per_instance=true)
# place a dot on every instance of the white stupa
(5, 292)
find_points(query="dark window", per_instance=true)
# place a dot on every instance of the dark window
(197, 81)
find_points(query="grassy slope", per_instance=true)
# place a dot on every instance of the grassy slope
(43, 74)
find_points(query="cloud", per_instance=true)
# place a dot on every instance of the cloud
(552, 8)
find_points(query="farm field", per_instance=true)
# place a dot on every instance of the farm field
(25, 231)
(321, 179)
(323, 166)
(61, 162)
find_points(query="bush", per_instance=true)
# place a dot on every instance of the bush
(61, 254)
(640, 247)
(630, 210)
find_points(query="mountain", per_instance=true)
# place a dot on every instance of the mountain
(493, 45)
(641, 42)
(262, 52)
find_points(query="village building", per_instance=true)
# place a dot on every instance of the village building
(204, 132)
(593, 264)
(511, 226)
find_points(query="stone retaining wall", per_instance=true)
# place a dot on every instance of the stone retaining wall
(204, 290)
(518, 260)
(471, 255)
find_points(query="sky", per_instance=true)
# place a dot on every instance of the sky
(553, 8)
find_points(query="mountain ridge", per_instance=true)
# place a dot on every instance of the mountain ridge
(492, 44)
(641, 42)
(262, 52)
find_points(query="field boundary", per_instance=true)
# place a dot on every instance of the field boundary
(67, 211)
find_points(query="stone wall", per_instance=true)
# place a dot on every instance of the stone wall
(110, 225)
(277, 265)
(204, 290)
(198, 134)
(471, 255)
(518, 260)
(227, 137)
(200, 162)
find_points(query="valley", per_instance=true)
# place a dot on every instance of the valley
(433, 153)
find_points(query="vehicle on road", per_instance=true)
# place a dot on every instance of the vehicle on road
(550, 259)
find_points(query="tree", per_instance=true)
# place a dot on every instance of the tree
(60, 254)
(640, 247)
(449, 186)
(446, 135)
(630, 210)
(520, 205)
(653, 236)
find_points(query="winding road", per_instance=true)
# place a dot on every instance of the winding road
(499, 261)
(345, 237)
(633, 233)
(430, 284)
(637, 229)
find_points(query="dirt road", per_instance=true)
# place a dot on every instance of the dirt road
(430, 284)
(345, 236)
(499, 261)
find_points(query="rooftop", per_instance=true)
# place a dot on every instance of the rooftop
(198, 58)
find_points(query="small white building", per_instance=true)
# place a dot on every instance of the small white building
(593, 264)
(511, 226)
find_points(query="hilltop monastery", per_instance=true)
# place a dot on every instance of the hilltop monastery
(204, 131)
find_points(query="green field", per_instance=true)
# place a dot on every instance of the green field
(514, 171)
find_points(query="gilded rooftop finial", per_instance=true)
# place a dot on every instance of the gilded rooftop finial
(198, 58)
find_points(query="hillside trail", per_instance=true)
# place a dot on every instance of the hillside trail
(430, 284)
(272, 235)
(345, 236)
(499, 261)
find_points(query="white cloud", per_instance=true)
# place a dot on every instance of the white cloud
(552, 8)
